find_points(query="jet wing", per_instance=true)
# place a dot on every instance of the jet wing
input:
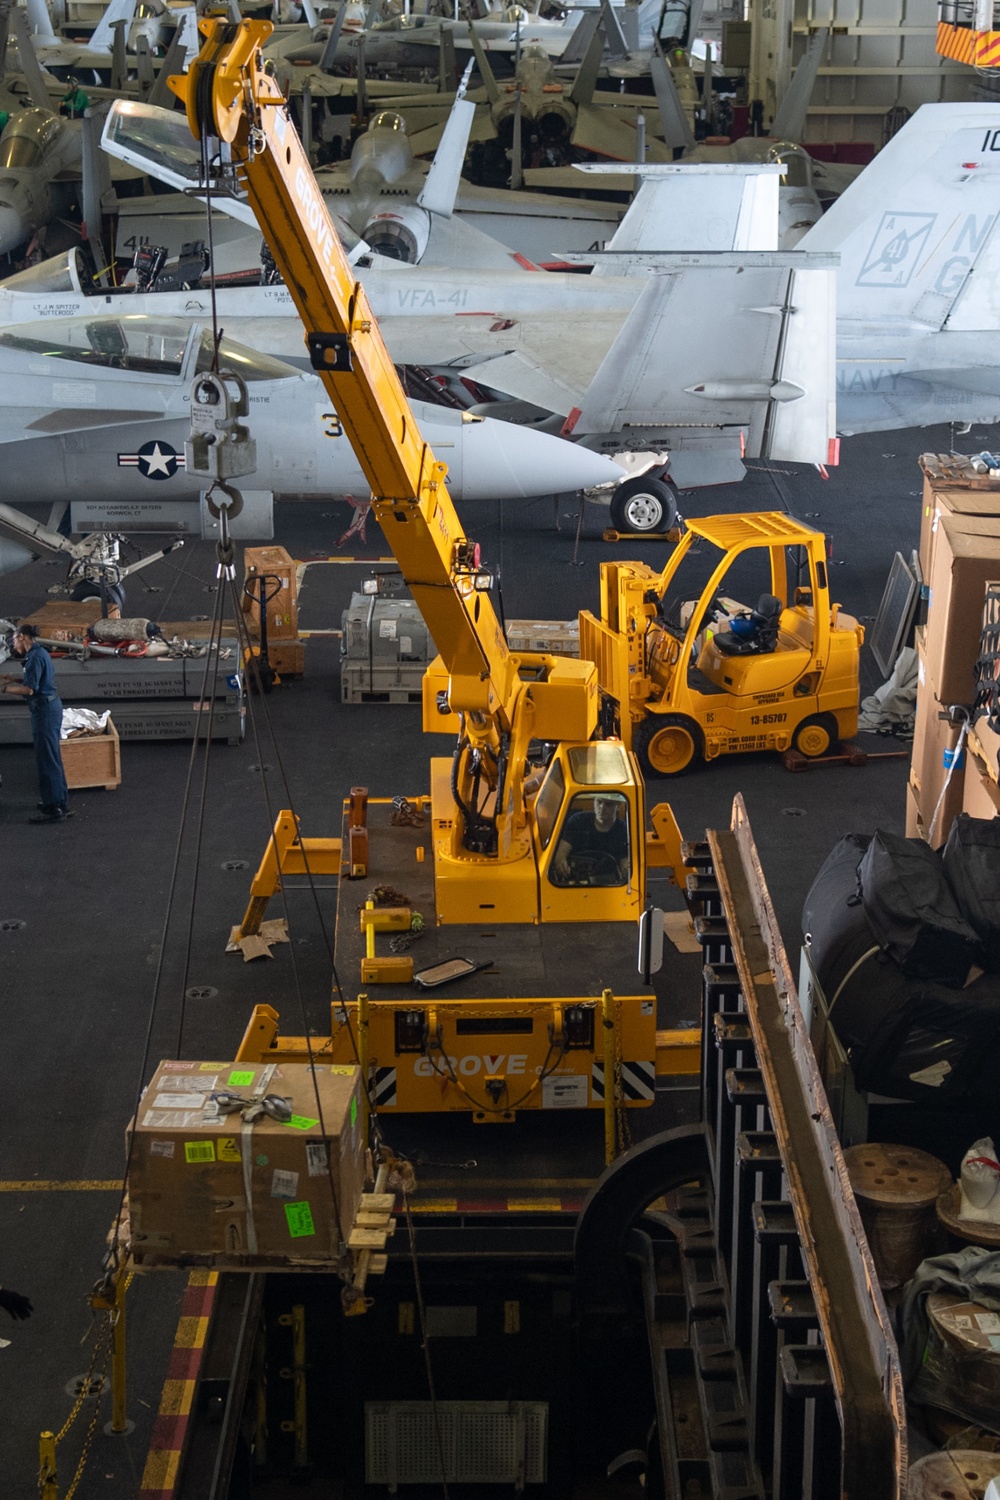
(738, 344)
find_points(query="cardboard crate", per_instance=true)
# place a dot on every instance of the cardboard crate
(946, 499)
(985, 742)
(187, 1198)
(966, 558)
(560, 637)
(93, 759)
(980, 794)
(914, 828)
(934, 743)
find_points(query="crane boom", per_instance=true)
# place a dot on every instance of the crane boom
(231, 97)
(498, 701)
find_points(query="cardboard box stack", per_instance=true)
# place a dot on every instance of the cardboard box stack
(959, 556)
(212, 1189)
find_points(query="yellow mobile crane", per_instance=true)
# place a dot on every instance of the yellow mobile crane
(501, 854)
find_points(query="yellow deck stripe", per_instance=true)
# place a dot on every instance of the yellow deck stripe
(534, 1205)
(176, 1398)
(47, 1185)
(161, 1468)
(191, 1333)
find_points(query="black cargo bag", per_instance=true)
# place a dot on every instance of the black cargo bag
(912, 912)
(971, 864)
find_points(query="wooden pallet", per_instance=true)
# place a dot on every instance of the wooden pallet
(954, 471)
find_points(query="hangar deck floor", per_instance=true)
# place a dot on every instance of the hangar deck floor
(83, 905)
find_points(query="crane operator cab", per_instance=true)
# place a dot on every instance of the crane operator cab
(585, 819)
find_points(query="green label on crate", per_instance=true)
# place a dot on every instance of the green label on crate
(354, 1110)
(301, 1122)
(300, 1220)
(199, 1151)
(240, 1079)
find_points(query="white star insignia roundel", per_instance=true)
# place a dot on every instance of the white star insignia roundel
(154, 460)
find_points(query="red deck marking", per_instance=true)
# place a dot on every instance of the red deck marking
(166, 1445)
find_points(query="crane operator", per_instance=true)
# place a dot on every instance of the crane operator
(593, 845)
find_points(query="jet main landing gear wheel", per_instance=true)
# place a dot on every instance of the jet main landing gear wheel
(642, 505)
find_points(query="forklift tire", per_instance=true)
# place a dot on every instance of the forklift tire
(667, 745)
(816, 736)
(641, 505)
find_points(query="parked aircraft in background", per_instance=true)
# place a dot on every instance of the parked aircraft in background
(383, 201)
(557, 115)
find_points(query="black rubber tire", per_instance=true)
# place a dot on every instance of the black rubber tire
(115, 592)
(828, 722)
(641, 505)
(658, 744)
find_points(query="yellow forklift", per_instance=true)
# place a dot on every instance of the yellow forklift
(689, 673)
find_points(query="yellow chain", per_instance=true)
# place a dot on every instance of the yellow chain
(101, 1343)
(88, 1440)
(84, 1387)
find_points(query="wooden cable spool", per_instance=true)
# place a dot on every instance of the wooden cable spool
(957, 1474)
(896, 1188)
(961, 1365)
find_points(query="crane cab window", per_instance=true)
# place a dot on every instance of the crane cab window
(593, 846)
(548, 802)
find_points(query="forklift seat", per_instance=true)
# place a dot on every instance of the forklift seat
(763, 635)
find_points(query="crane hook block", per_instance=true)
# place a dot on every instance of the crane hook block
(219, 445)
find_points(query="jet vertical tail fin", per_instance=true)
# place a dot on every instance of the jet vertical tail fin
(30, 66)
(585, 82)
(441, 185)
(482, 66)
(576, 48)
(103, 36)
(40, 21)
(917, 232)
(674, 126)
(447, 64)
(329, 56)
(613, 34)
(183, 45)
(789, 123)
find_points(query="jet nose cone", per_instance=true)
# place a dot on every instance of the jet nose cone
(13, 231)
(499, 459)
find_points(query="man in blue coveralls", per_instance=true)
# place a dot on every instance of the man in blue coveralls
(38, 685)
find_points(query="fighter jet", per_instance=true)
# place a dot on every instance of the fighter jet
(97, 409)
(387, 206)
(88, 60)
(414, 41)
(555, 116)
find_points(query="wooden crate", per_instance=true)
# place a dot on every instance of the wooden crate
(93, 759)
